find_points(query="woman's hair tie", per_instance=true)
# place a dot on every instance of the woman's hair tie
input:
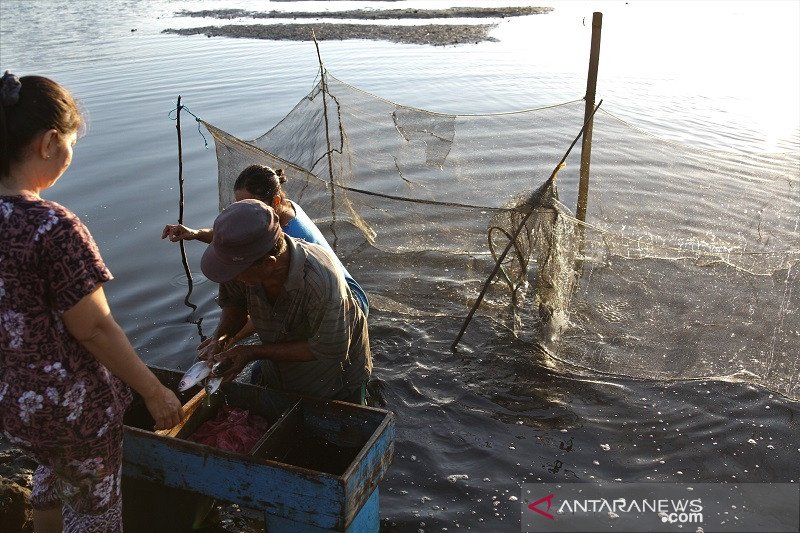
(281, 175)
(9, 89)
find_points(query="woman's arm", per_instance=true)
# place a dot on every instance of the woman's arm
(179, 232)
(91, 323)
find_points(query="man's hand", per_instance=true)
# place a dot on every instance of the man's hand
(209, 348)
(233, 361)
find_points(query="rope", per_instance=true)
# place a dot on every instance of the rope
(516, 112)
(197, 119)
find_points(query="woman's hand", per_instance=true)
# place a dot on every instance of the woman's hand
(90, 323)
(164, 407)
(179, 232)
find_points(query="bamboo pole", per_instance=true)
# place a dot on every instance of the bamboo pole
(586, 144)
(180, 162)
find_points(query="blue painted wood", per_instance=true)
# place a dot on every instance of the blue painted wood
(303, 494)
(229, 477)
(368, 470)
(366, 521)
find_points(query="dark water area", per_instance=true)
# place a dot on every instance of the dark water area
(496, 415)
(475, 423)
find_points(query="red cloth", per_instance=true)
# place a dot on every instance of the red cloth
(232, 429)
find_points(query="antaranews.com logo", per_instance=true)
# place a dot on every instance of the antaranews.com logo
(589, 507)
(535, 506)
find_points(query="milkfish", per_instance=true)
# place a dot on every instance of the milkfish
(212, 385)
(197, 373)
(215, 381)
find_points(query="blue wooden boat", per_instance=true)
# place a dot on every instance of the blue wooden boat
(317, 468)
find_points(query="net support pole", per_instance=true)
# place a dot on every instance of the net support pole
(324, 87)
(184, 260)
(180, 161)
(586, 143)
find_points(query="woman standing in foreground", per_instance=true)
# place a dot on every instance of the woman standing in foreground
(63, 357)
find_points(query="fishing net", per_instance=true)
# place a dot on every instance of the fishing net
(686, 266)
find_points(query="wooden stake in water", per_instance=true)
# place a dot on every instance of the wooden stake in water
(324, 87)
(586, 144)
(184, 260)
(513, 238)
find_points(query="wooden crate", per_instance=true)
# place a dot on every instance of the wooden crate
(317, 468)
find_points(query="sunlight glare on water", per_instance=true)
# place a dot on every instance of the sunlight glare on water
(744, 54)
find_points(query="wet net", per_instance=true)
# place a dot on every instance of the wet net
(686, 266)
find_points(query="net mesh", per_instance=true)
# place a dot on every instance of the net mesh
(686, 266)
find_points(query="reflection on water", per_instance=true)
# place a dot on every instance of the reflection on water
(472, 424)
(181, 280)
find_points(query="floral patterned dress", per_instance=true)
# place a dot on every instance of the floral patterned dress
(57, 402)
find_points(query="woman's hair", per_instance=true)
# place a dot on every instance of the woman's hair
(278, 249)
(262, 182)
(29, 106)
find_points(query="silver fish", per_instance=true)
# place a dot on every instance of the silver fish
(215, 381)
(212, 385)
(197, 373)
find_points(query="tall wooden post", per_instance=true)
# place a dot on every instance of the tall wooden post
(182, 243)
(324, 88)
(586, 144)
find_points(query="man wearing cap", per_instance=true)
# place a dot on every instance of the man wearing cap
(314, 338)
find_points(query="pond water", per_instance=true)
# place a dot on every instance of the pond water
(475, 424)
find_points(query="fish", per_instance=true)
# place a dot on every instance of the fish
(213, 385)
(215, 381)
(197, 373)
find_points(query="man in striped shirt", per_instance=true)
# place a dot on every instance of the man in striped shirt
(314, 338)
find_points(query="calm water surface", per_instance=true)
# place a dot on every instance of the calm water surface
(475, 424)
